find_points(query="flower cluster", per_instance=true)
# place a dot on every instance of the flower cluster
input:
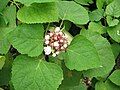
(55, 42)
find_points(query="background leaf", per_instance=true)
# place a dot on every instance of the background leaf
(101, 3)
(111, 21)
(108, 85)
(4, 42)
(2, 21)
(28, 2)
(5, 72)
(114, 32)
(104, 51)
(79, 55)
(113, 9)
(96, 27)
(115, 49)
(84, 2)
(72, 80)
(10, 15)
(69, 10)
(2, 61)
(35, 74)
(3, 4)
(115, 77)
(38, 13)
(96, 15)
(28, 39)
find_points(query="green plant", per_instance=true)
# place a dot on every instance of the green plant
(60, 44)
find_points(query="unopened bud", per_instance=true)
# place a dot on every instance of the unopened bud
(61, 33)
(55, 37)
(47, 50)
(56, 44)
(47, 42)
(57, 52)
(62, 48)
(61, 40)
(51, 34)
(54, 55)
(57, 29)
(65, 45)
(47, 37)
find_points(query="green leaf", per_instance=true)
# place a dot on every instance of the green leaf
(4, 42)
(28, 39)
(2, 61)
(38, 13)
(10, 15)
(69, 10)
(100, 4)
(28, 2)
(115, 77)
(115, 49)
(111, 21)
(5, 72)
(104, 51)
(96, 15)
(100, 86)
(67, 25)
(1, 89)
(3, 4)
(2, 21)
(106, 86)
(72, 80)
(81, 86)
(114, 32)
(35, 74)
(96, 27)
(84, 2)
(113, 9)
(79, 53)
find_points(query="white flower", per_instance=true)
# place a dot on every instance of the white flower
(56, 44)
(51, 34)
(65, 45)
(47, 50)
(57, 52)
(62, 47)
(61, 40)
(47, 37)
(47, 42)
(56, 41)
(54, 55)
(61, 33)
(55, 38)
(57, 29)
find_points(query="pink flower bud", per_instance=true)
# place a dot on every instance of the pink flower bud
(61, 40)
(55, 37)
(51, 34)
(60, 33)
(56, 48)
